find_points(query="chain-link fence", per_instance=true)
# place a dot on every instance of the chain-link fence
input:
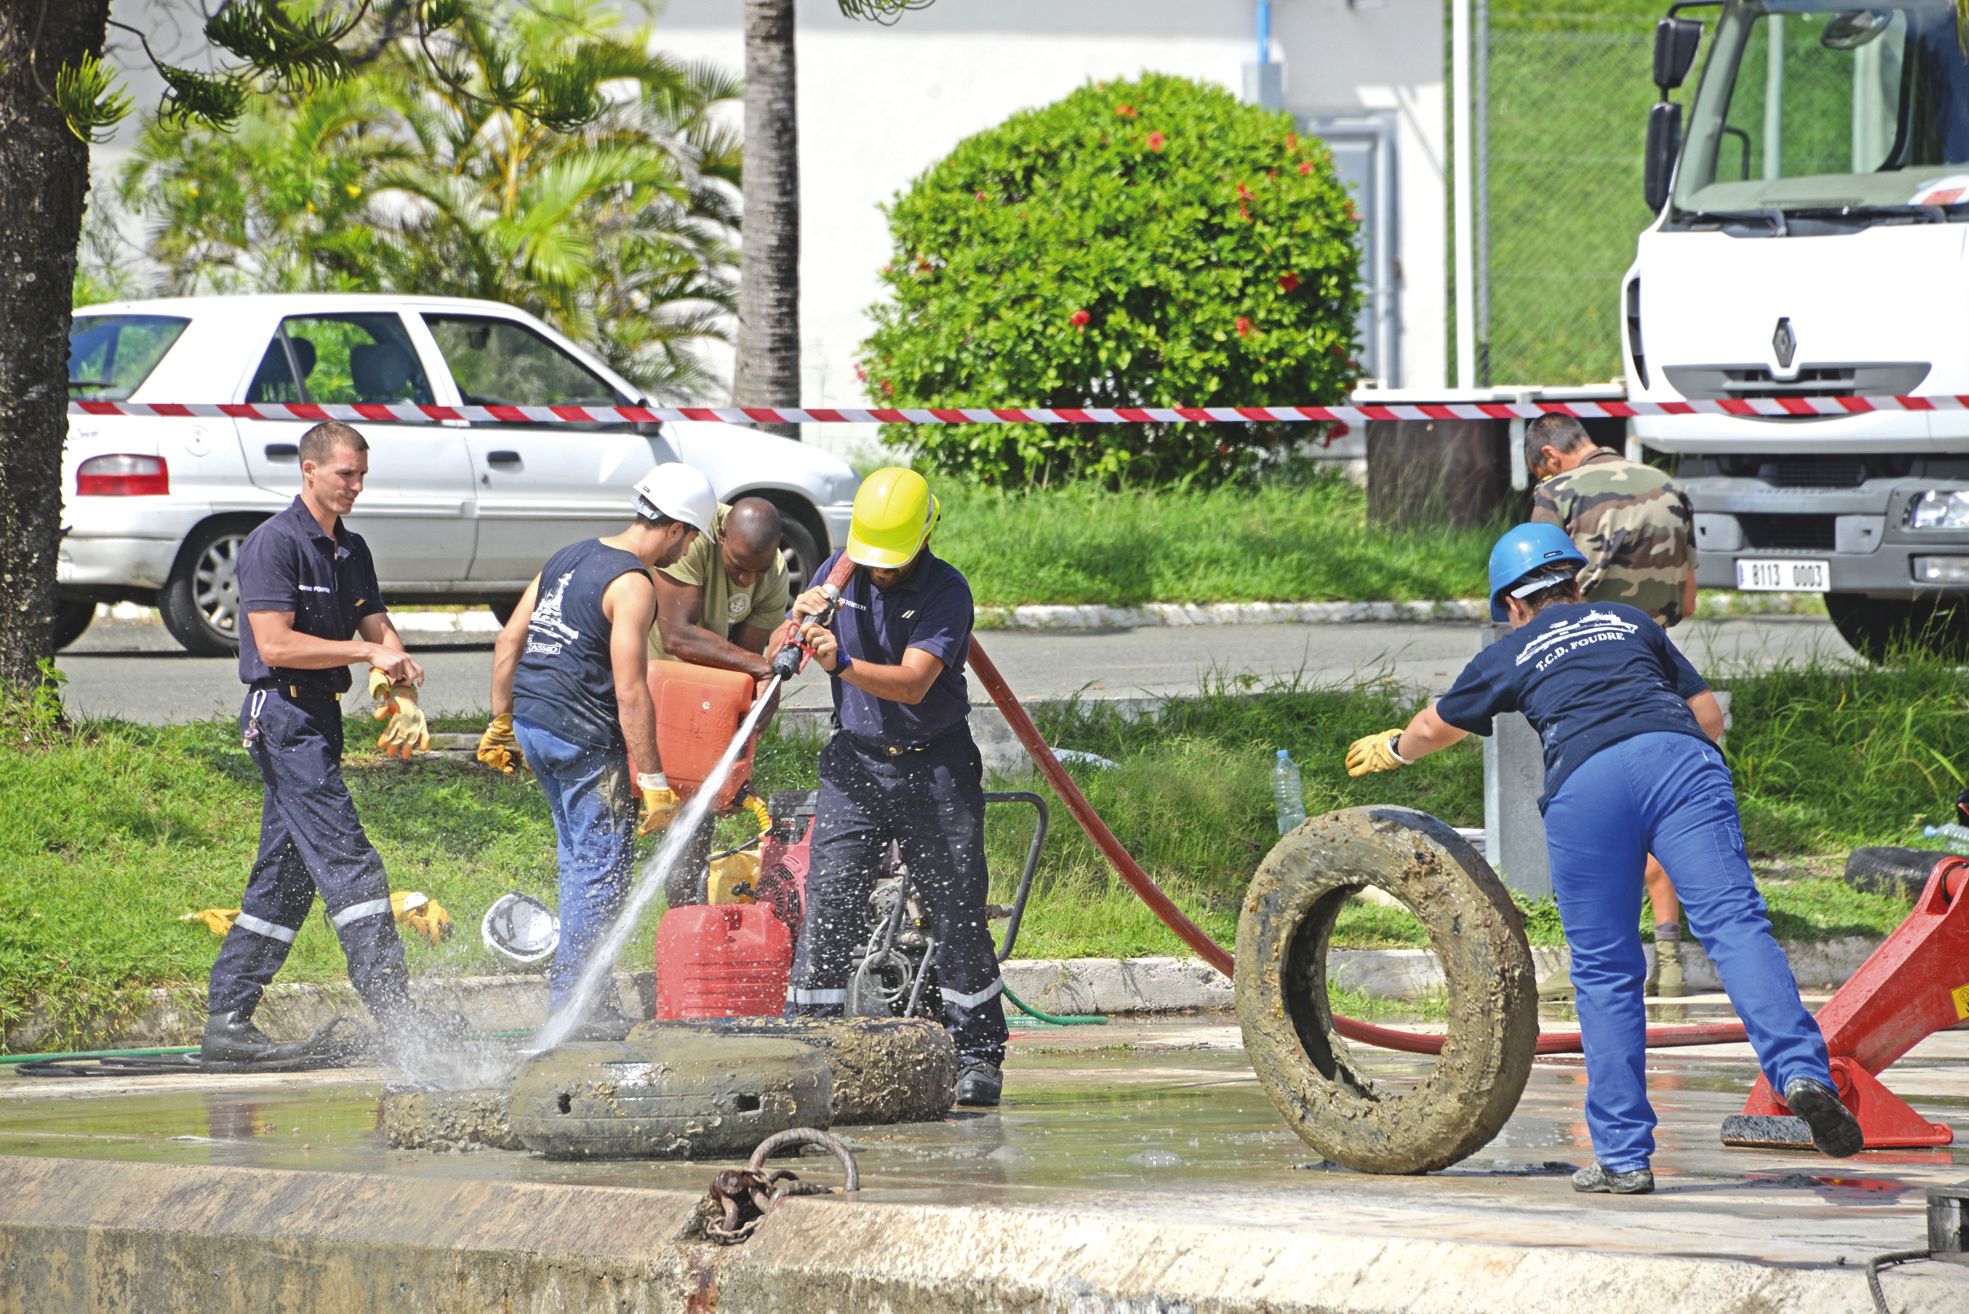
(1559, 119)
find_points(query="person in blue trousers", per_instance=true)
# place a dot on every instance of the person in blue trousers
(1631, 767)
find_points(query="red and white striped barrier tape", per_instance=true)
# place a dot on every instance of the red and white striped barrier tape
(415, 413)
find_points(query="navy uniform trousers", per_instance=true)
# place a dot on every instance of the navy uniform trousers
(929, 801)
(310, 840)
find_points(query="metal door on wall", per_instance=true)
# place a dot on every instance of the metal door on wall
(1363, 146)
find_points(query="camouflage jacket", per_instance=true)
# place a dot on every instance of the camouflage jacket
(1634, 526)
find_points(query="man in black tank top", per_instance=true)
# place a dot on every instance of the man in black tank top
(569, 690)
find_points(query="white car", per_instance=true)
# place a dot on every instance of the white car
(154, 509)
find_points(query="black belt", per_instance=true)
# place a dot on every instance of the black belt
(295, 690)
(877, 748)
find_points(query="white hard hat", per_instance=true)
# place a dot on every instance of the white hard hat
(520, 930)
(680, 492)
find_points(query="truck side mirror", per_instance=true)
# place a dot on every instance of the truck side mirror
(1664, 144)
(1675, 51)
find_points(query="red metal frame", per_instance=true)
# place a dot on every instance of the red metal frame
(1915, 984)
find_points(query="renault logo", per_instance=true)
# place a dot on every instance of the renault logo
(1785, 343)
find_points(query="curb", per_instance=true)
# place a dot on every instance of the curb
(1107, 986)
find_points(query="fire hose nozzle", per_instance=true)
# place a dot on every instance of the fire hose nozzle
(793, 655)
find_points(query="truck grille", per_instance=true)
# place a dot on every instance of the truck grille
(1787, 533)
(1818, 471)
(1721, 382)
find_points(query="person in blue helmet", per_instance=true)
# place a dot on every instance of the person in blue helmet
(1631, 767)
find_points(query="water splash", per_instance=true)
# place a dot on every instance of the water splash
(601, 962)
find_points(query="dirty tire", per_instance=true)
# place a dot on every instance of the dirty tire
(1311, 1073)
(1889, 870)
(886, 1069)
(415, 1118)
(686, 1098)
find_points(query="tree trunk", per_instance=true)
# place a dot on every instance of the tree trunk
(768, 370)
(44, 176)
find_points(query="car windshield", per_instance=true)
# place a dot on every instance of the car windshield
(1806, 105)
(109, 356)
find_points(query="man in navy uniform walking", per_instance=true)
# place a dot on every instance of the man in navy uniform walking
(310, 609)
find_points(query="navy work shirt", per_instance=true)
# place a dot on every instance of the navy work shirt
(1586, 675)
(930, 609)
(288, 564)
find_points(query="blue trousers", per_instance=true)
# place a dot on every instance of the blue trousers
(588, 791)
(310, 841)
(1670, 795)
(930, 802)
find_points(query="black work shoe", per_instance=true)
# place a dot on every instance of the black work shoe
(1596, 1179)
(231, 1037)
(1835, 1131)
(979, 1084)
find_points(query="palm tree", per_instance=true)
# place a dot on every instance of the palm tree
(768, 366)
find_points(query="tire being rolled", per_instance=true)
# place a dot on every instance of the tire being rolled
(1317, 1081)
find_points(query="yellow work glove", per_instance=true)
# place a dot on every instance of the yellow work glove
(217, 920)
(497, 747)
(379, 686)
(407, 732)
(1374, 753)
(421, 914)
(660, 802)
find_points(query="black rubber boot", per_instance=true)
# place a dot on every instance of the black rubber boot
(231, 1037)
(1595, 1179)
(979, 1084)
(1835, 1131)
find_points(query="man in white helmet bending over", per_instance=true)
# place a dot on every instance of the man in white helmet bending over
(569, 685)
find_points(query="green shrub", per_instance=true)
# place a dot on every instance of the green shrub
(1143, 243)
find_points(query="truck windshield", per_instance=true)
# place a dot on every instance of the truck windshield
(1811, 106)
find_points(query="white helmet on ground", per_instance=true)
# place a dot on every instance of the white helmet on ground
(520, 930)
(680, 492)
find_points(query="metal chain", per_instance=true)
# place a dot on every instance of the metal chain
(740, 1198)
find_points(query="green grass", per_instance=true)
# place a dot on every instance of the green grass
(1304, 539)
(116, 831)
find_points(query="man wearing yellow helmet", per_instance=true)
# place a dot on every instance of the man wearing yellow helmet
(903, 769)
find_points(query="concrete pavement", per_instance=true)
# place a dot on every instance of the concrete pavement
(136, 671)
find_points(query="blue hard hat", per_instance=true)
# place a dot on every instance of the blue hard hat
(1523, 549)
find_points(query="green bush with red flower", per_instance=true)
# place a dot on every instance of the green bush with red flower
(1148, 243)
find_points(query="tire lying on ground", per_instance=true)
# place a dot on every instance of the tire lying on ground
(1890, 870)
(1314, 1077)
(688, 1097)
(885, 1069)
(419, 1118)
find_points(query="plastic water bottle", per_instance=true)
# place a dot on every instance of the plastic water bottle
(1957, 837)
(1288, 796)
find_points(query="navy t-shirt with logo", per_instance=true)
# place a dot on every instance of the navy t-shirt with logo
(929, 609)
(1586, 675)
(328, 582)
(565, 680)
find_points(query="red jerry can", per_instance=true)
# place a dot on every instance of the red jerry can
(722, 960)
(698, 710)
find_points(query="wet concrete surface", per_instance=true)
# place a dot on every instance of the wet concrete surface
(1162, 1121)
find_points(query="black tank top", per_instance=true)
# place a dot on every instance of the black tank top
(565, 683)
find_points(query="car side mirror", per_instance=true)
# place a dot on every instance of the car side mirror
(1664, 144)
(1675, 51)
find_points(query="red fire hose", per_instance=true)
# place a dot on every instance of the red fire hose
(1554, 1042)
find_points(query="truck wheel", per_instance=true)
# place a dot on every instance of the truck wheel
(1879, 627)
(200, 604)
(1318, 1083)
(800, 549)
(72, 617)
(1886, 869)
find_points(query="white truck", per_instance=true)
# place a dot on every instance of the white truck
(1812, 240)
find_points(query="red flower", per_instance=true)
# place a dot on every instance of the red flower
(1079, 319)
(861, 374)
(1340, 351)
(1125, 111)
(1157, 141)
(1288, 282)
(1243, 327)
(1292, 141)
(1244, 208)
(981, 196)
(1305, 166)
(1353, 214)
(1243, 192)
(888, 388)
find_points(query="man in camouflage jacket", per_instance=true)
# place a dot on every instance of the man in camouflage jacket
(1638, 534)
(1633, 524)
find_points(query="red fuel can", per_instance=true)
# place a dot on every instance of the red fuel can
(722, 960)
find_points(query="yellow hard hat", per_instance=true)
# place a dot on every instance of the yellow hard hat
(894, 514)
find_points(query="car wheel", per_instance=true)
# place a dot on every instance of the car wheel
(72, 617)
(200, 605)
(800, 549)
(1879, 627)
